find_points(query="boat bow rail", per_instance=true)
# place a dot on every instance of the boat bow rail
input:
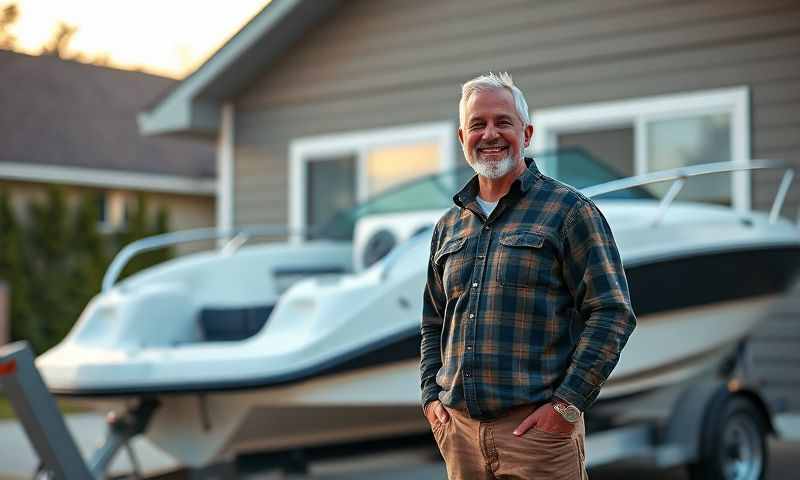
(235, 238)
(680, 176)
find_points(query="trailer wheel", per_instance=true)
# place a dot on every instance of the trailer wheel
(733, 445)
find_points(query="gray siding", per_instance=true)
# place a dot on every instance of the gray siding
(392, 62)
(774, 357)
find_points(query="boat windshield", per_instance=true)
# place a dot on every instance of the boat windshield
(575, 167)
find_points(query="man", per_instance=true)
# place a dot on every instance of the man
(526, 307)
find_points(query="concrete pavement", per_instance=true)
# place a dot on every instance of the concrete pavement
(18, 460)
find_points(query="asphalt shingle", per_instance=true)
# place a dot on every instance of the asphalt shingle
(66, 113)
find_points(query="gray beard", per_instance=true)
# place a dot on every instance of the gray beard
(492, 170)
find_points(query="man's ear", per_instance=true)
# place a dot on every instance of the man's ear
(461, 135)
(528, 134)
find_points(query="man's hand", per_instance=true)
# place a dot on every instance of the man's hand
(544, 418)
(435, 411)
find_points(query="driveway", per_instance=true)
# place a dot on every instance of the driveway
(18, 460)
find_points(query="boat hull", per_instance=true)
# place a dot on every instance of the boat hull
(382, 401)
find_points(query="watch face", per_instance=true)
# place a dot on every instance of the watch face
(570, 413)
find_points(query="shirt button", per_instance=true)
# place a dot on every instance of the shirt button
(471, 315)
(466, 374)
(486, 227)
(469, 347)
(475, 284)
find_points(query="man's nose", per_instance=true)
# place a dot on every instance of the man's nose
(490, 132)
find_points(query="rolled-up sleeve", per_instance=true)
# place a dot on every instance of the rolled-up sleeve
(592, 270)
(433, 302)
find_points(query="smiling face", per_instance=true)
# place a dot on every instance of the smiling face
(493, 136)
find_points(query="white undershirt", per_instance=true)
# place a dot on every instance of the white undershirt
(487, 207)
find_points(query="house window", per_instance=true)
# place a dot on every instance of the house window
(332, 173)
(102, 208)
(113, 212)
(643, 135)
(330, 186)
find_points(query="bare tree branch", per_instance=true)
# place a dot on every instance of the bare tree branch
(59, 42)
(8, 16)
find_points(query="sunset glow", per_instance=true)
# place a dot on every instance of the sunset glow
(167, 37)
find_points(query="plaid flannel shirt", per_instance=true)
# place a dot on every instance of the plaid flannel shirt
(527, 304)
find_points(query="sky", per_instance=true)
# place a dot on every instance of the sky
(166, 37)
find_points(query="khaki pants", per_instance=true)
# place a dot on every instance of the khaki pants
(474, 449)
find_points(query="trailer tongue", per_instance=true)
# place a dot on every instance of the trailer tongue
(44, 425)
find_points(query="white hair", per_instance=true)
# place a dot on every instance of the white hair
(491, 82)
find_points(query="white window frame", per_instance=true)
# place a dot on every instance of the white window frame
(548, 123)
(357, 143)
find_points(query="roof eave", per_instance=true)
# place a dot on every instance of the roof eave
(107, 178)
(194, 106)
(176, 116)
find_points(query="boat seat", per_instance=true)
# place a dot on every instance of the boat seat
(232, 324)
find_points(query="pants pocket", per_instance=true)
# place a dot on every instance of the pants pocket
(549, 455)
(439, 430)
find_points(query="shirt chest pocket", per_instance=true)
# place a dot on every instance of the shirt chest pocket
(455, 265)
(522, 259)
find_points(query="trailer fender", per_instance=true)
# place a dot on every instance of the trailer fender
(683, 430)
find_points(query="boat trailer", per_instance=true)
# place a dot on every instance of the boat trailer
(718, 429)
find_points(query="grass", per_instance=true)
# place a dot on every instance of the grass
(7, 411)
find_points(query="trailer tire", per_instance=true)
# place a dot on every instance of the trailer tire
(733, 442)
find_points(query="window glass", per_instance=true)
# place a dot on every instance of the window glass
(610, 147)
(579, 168)
(430, 192)
(330, 187)
(392, 165)
(678, 142)
(436, 191)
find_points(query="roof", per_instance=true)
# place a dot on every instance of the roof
(194, 105)
(67, 114)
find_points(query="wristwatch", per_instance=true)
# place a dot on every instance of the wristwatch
(567, 411)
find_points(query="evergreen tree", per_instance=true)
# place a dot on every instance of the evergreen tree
(13, 272)
(54, 263)
(161, 226)
(135, 229)
(139, 226)
(88, 257)
(49, 267)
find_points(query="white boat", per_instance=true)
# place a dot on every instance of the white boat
(243, 357)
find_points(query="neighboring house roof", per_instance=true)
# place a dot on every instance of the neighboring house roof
(193, 106)
(79, 120)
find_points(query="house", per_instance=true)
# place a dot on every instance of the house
(364, 93)
(316, 104)
(74, 125)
